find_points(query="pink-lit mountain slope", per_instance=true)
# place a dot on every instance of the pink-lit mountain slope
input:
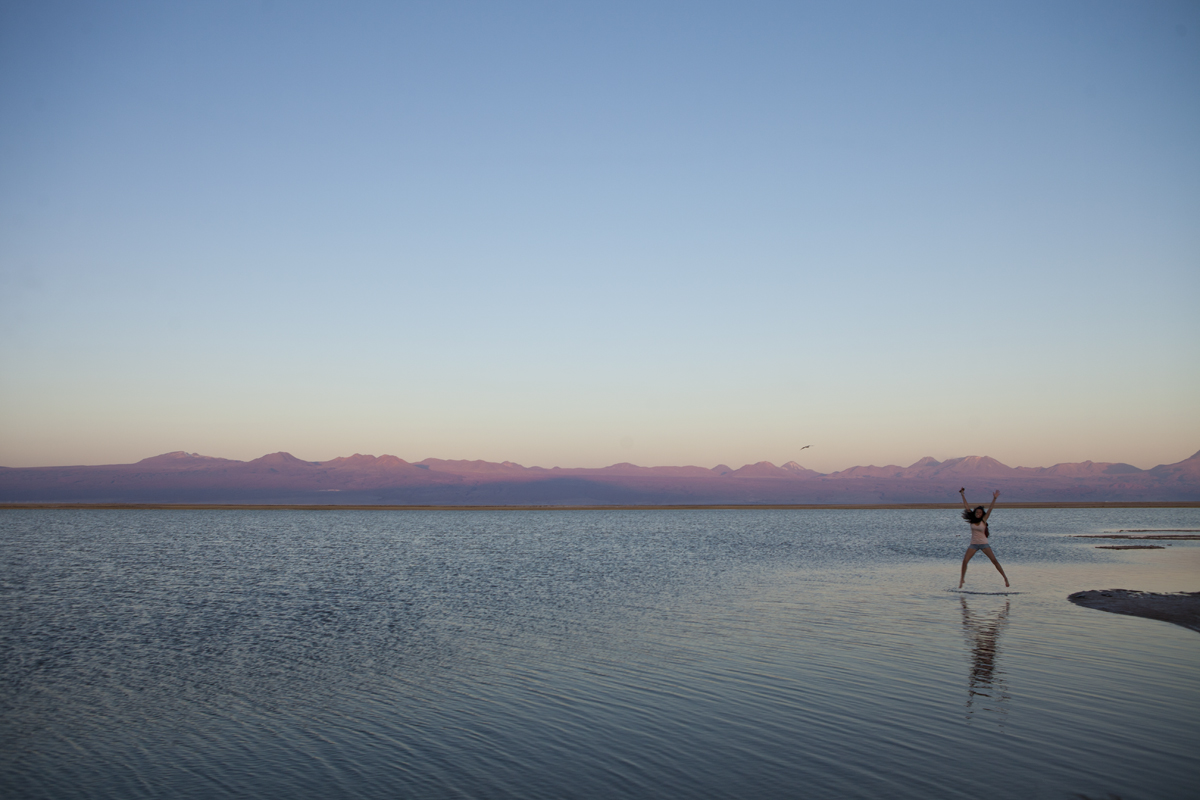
(364, 479)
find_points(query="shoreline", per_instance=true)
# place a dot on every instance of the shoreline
(665, 507)
(1192, 536)
(1179, 608)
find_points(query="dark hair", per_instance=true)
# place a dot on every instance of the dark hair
(969, 514)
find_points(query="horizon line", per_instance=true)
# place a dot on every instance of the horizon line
(622, 507)
(187, 454)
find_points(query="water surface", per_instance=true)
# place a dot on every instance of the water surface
(548, 654)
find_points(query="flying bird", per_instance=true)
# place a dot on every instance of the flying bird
(806, 447)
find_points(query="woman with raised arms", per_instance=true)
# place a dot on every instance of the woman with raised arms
(978, 518)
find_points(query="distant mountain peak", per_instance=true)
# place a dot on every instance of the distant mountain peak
(182, 459)
(177, 455)
(390, 461)
(358, 459)
(981, 465)
(799, 470)
(765, 469)
(281, 458)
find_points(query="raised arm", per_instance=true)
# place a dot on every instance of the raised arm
(963, 494)
(988, 513)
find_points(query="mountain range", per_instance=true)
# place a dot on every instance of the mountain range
(281, 478)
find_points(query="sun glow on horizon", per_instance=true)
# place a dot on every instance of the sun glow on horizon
(581, 236)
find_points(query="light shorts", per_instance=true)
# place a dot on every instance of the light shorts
(978, 546)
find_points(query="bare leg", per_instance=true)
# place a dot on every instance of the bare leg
(969, 555)
(987, 551)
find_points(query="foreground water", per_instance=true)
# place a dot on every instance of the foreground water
(676, 654)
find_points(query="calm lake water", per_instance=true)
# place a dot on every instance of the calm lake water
(588, 654)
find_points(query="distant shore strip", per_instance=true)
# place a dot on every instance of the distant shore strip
(699, 507)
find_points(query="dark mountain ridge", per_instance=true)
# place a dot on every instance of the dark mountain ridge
(183, 477)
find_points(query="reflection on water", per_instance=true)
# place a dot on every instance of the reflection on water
(987, 689)
(558, 655)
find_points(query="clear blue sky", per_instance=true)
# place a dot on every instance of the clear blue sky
(575, 234)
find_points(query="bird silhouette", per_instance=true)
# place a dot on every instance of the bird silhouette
(806, 447)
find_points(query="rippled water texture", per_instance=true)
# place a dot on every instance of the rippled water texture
(560, 654)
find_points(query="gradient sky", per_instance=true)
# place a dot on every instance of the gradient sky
(576, 234)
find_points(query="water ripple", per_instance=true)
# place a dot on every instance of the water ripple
(580, 654)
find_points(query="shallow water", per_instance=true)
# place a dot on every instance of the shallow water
(557, 654)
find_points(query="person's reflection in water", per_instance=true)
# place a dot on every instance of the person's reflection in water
(985, 684)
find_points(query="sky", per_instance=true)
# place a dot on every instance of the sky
(575, 234)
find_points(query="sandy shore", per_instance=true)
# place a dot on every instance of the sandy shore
(1181, 608)
(1165, 537)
